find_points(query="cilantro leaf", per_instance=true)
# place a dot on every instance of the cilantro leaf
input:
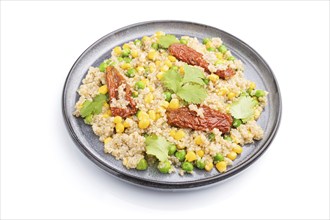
(243, 108)
(166, 40)
(193, 74)
(87, 108)
(192, 93)
(172, 80)
(157, 146)
(93, 107)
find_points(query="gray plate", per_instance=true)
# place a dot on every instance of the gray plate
(256, 69)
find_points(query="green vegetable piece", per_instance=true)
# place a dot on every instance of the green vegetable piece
(87, 108)
(181, 154)
(227, 138)
(172, 80)
(211, 136)
(231, 58)
(206, 81)
(200, 164)
(130, 73)
(157, 146)
(243, 108)
(192, 93)
(135, 94)
(120, 59)
(137, 42)
(126, 52)
(244, 93)
(222, 49)
(211, 49)
(166, 40)
(142, 165)
(127, 59)
(103, 66)
(260, 93)
(168, 96)
(175, 68)
(155, 46)
(218, 157)
(193, 75)
(171, 149)
(187, 166)
(183, 41)
(164, 166)
(206, 40)
(94, 107)
(140, 85)
(237, 122)
(88, 119)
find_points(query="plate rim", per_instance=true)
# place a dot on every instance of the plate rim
(163, 185)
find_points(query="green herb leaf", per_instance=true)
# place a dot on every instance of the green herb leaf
(157, 146)
(193, 74)
(93, 107)
(192, 93)
(87, 108)
(243, 108)
(172, 80)
(166, 40)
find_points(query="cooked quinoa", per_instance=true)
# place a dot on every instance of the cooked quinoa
(143, 63)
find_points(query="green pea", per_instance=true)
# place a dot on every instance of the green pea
(137, 42)
(168, 96)
(237, 122)
(222, 49)
(140, 85)
(231, 58)
(227, 138)
(88, 119)
(206, 40)
(181, 154)
(244, 94)
(211, 136)
(211, 49)
(103, 66)
(126, 52)
(175, 68)
(183, 41)
(130, 73)
(200, 164)
(120, 59)
(218, 157)
(186, 166)
(127, 59)
(260, 93)
(135, 94)
(171, 149)
(218, 62)
(164, 166)
(155, 46)
(142, 165)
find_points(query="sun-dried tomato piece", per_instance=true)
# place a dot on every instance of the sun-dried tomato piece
(114, 80)
(185, 118)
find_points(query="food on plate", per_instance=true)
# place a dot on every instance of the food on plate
(172, 102)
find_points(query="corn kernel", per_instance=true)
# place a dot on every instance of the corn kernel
(219, 55)
(145, 38)
(79, 106)
(174, 104)
(191, 156)
(134, 54)
(152, 115)
(168, 63)
(126, 124)
(213, 77)
(117, 120)
(252, 85)
(152, 55)
(140, 69)
(164, 68)
(152, 68)
(142, 115)
(179, 135)
(172, 133)
(221, 166)
(149, 98)
(231, 95)
(198, 140)
(238, 149)
(106, 105)
(232, 155)
(103, 89)
(158, 116)
(200, 153)
(181, 70)
(144, 123)
(158, 63)
(160, 75)
(105, 115)
(159, 33)
(120, 128)
(107, 140)
(223, 91)
(208, 166)
(126, 46)
(151, 88)
(171, 58)
(117, 50)
(125, 66)
(165, 104)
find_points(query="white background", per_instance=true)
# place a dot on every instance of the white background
(44, 175)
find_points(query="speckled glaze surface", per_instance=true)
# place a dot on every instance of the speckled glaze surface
(256, 69)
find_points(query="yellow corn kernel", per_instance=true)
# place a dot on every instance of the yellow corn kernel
(103, 89)
(105, 115)
(125, 66)
(120, 128)
(232, 155)
(106, 105)
(109, 112)
(126, 124)
(164, 68)
(213, 77)
(171, 58)
(198, 140)
(191, 156)
(158, 116)
(208, 44)
(179, 135)
(200, 153)
(79, 106)
(117, 120)
(140, 69)
(238, 149)
(152, 115)
(134, 54)
(152, 68)
(126, 46)
(145, 81)
(142, 115)
(152, 55)
(165, 104)
(145, 38)
(168, 63)
(149, 98)
(117, 50)
(151, 88)
(252, 85)
(144, 123)
(160, 75)
(221, 166)
(174, 104)
(223, 91)
(107, 140)
(158, 63)
(219, 55)
(172, 133)
(181, 70)
(231, 95)
(209, 166)
(159, 33)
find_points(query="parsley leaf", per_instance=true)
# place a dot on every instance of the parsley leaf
(243, 108)
(166, 40)
(193, 74)
(192, 93)
(157, 146)
(93, 107)
(172, 80)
